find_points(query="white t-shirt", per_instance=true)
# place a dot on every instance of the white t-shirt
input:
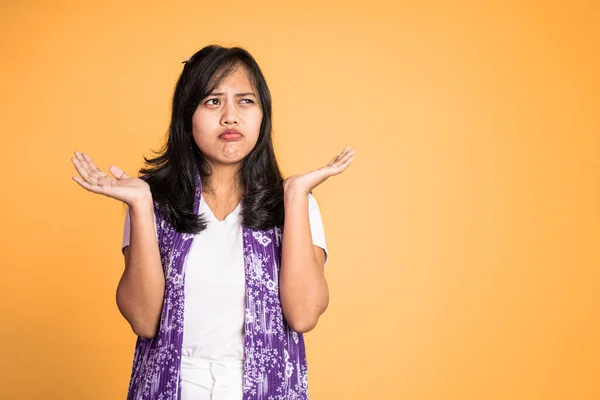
(215, 283)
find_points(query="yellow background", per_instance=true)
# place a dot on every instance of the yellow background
(464, 238)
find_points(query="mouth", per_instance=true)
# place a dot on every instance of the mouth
(230, 135)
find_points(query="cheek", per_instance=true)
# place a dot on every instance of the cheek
(257, 120)
(201, 127)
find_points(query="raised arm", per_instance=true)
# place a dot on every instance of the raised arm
(141, 290)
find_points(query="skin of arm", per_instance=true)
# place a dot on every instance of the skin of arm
(303, 288)
(141, 290)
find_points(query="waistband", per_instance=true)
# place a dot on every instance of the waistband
(203, 363)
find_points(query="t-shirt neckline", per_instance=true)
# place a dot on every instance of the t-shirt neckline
(227, 217)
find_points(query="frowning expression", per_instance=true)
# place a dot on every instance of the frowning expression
(226, 123)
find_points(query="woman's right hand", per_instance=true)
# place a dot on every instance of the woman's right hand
(122, 187)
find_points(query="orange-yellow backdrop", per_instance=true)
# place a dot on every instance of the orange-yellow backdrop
(464, 238)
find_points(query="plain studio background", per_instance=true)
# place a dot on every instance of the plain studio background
(464, 237)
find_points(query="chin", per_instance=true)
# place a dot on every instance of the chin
(227, 161)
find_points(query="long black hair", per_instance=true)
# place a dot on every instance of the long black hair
(171, 173)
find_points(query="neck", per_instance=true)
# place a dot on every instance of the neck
(225, 181)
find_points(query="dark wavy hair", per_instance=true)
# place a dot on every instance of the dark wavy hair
(171, 173)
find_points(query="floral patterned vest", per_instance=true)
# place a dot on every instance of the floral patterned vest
(274, 354)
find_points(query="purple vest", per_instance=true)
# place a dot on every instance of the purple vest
(274, 354)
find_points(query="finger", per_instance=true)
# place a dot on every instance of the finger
(343, 153)
(348, 162)
(333, 161)
(93, 166)
(118, 172)
(88, 170)
(81, 168)
(82, 165)
(339, 156)
(338, 168)
(92, 169)
(86, 185)
(345, 164)
(82, 161)
(94, 178)
(347, 150)
(345, 158)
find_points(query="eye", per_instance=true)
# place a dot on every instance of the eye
(209, 100)
(249, 101)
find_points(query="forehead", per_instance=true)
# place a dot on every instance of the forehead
(238, 79)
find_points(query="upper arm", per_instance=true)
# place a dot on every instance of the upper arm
(320, 253)
(126, 255)
(317, 230)
(126, 237)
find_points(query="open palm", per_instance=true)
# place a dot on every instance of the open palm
(312, 179)
(120, 186)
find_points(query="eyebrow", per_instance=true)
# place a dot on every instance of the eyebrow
(237, 94)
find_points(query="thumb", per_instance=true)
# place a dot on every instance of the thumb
(118, 172)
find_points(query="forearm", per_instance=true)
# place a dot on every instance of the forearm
(141, 289)
(303, 288)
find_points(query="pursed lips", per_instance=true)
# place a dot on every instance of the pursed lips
(230, 135)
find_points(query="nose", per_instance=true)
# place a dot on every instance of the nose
(229, 116)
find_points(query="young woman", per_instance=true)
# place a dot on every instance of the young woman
(224, 259)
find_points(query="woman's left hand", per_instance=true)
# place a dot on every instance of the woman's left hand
(312, 179)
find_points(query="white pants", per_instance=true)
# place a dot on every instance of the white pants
(211, 379)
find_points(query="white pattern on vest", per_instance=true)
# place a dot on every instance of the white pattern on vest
(215, 285)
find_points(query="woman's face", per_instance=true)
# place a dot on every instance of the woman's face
(233, 105)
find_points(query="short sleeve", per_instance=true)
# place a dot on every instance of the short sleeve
(127, 229)
(316, 225)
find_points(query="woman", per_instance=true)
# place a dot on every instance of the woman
(224, 259)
